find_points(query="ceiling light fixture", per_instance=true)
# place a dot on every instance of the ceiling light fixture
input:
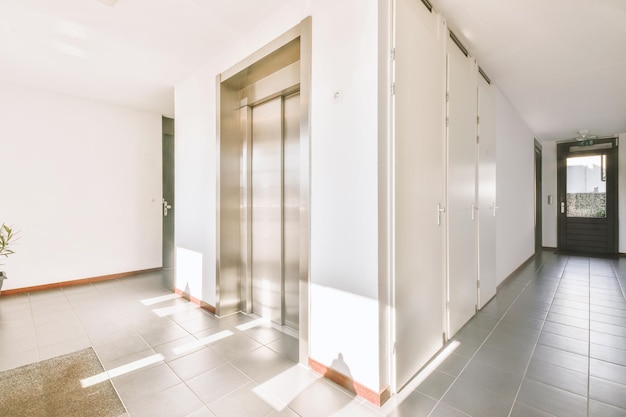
(108, 2)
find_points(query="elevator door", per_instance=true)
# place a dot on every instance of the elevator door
(275, 209)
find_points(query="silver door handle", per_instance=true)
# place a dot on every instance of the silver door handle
(440, 210)
(494, 208)
(562, 206)
(166, 206)
(474, 208)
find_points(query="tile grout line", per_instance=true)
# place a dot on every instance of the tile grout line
(532, 353)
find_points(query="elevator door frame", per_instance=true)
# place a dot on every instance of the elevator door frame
(238, 88)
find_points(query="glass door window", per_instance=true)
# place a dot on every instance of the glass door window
(586, 186)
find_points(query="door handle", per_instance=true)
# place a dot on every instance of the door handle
(440, 210)
(474, 208)
(166, 206)
(562, 207)
(494, 208)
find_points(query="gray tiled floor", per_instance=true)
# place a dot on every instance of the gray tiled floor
(552, 343)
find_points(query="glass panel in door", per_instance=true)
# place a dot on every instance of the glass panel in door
(586, 186)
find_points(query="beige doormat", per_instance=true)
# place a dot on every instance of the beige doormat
(52, 388)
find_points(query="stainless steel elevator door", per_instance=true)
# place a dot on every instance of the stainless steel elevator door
(275, 209)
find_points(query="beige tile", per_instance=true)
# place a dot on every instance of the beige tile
(242, 402)
(195, 363)
(176, 401)
(218, 382)
(143, 383)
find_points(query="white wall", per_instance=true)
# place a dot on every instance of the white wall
(515, 224)
(81, 181)
(344, 175)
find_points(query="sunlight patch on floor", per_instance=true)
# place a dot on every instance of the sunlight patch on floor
(205, 341)
(120, 370)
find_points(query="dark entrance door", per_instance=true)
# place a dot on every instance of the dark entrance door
(587, 190)
(169, 246)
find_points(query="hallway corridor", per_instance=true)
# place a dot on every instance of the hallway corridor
(551, 343)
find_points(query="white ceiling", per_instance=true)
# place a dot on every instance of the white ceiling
(131, 54)
(561, 63)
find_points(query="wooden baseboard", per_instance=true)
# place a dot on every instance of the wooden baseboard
(376, 398)
(195, 300)
(77, 282)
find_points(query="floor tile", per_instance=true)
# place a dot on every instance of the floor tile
(552, 400)
(234, 346)
(176, 401)
(607, 392)
(572, 361)
(142, 383)
(523, 410)
(564, 343)
(444, 410)
(164, 335)
(500, 359)
(604, 339)
(567, 331)
(260, 361)
(608, 354)
(216, 383)
(600, 409)
(286, 346)
(453, 364)
(476, 400)
(608, 328)
(415, 405)
(435, 385)
(133, 319)
(109, 351)
(466, 348)
(556, 376)
(195, 363)
(242, 402)
(607, 370)
(495, 379)
(322, 399)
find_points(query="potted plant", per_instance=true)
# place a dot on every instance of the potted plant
(6, 236)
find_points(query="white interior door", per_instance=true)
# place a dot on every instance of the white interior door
(486, 192)
(418, 190)
(462, 230)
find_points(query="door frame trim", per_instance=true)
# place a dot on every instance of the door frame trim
(613, 203)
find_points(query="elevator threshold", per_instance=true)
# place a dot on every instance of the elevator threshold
(260, 321)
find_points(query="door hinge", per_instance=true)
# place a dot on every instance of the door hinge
(393, 54)
(477, 139)
(447, 121)
(477, 120)
(447, 305)
(447, 96)
(478, 284)
(393, 89)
